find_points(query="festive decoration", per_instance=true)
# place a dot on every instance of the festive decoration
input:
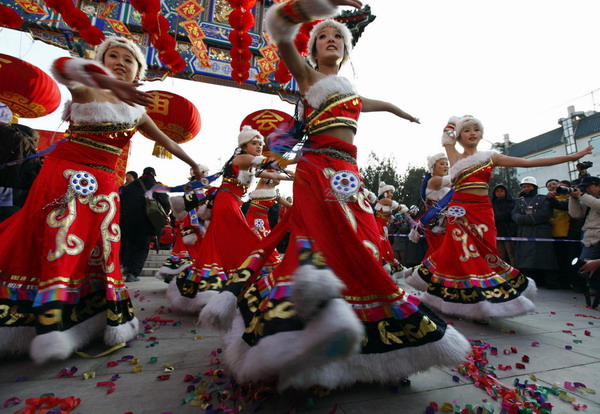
(241, 20)
(266, 121)
(26, 89)
(174, 115)
(77, 20)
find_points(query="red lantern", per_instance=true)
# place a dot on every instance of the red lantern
(241, 20)
(240, 39)
(163, 41)
(10, 18)
(240, 54)
(26, 89)
(76, 19)
(266, 121)
(155, 23)
(92, 35)
(174, 115)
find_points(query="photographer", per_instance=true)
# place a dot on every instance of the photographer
(584, 203)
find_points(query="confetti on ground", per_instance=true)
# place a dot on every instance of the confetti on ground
(111, 386)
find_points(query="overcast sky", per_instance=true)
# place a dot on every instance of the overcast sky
(516, 65)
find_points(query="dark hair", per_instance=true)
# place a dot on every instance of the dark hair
(552, 179)
(133, 174)
(565, 182)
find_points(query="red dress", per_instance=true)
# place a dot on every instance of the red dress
(226, 244)
(257, 216)
(292, 323)
(383, 215)
(465, 276)
(59, 255)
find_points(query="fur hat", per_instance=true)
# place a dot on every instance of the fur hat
(465, 121)
(383, 187)
(134, 48)
(247, 134)
(431, 160)
(337, 25)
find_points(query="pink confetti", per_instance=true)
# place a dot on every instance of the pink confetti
(569, 386)
(535, 344)
(12, 401)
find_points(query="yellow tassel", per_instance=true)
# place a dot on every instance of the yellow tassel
(161, 152)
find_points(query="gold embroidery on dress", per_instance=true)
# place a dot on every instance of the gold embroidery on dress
(62, 218)
(409, 332)
(15, 316)
(109, 232)
(373, 248)
(459, 234)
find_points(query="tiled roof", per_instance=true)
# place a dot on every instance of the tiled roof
(588, 126)
(541, 142)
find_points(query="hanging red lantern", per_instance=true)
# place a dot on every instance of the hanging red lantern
(155, 23)
(26, 89)
(241, 20)
(240, 39)
(174, 115)
(10, 18)
(266, 121)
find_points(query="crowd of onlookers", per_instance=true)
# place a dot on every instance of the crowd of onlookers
(562, 228)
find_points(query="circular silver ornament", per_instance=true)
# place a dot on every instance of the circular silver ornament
(83, 183)
(259, 223)
(345, 184)
(456, 211)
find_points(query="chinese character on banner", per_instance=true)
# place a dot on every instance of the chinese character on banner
(196, 35)
(31, 7)
(270, 53)
(108, 8)
(190, 9)
(119, 26)
(262, 77)
(265, 65)
(193, 29)
(266, 120)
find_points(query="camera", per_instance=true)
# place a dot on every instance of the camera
(584, 165)
(564, 190)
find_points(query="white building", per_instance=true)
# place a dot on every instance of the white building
(576, 132)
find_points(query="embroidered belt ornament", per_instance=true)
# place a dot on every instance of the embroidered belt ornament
(259, 223)
(83, 183)
(456, 211)
(345, 185)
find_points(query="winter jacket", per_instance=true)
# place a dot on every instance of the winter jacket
(133, 205)
(591, 227)
(503, 208)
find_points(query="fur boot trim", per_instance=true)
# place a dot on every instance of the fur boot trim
(516, 307)
(188, 305)
(414, 280)
(245, 177)
(73, 71)
(61, 344)
(178, 207)
(114, 335)
(312, 287)
(371, 196)
(451, 350)
(165, 270)
(190, 238)
(334, 334)
(414, 235)
(103, 112)
(15, 340)
(263, 193)
(478, 157)
(219, 311)
(323, 89)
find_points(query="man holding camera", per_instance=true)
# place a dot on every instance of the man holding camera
(584, 203)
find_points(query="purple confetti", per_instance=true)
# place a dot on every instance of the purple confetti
(115, 377)
(568, 347)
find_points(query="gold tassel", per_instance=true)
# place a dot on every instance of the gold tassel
(161, 152)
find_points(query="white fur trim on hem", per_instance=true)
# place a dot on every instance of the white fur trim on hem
(414, 280)
(125, 332)
(188, 305)
(326, 87)
(485, 309)
(219, 311)
(281, 30)
(312, 287)
(334, 334)
(474, 159)
(451, 350)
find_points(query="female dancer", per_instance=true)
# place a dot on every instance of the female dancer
(328, 314)
(229, 239)
(189, 232)
(384, 208)
(262, 199)
(60, 278)
(465, 276)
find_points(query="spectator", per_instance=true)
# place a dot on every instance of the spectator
(18, 141)
(564, 228)
(503, 204)
(532, 213)
(136, 228)
(130, 177)
(399, 226)
(585, 204)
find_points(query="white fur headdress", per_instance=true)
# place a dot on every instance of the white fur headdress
(343, 29)
(465, 121)
(383, 187)
(432, 159)
(134, 48)
(247, 134)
